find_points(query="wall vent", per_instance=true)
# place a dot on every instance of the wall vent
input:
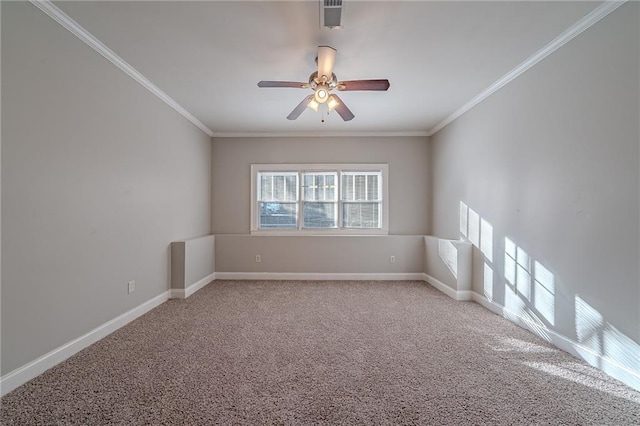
(331, 14)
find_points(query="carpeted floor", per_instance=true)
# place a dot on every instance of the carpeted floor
(285, 352)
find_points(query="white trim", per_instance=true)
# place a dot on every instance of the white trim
(317, 276)
(333, 232)
(179, 293)
(576, 29)
(489, 304)
(318, 134)
(199, 284)
(23, 374)
(454, 294)
(63, 19)
(625, 374)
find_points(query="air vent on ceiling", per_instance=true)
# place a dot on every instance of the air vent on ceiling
(331, 14)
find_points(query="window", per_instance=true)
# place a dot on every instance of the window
(319, 199)
(361, 199)
(278, 200)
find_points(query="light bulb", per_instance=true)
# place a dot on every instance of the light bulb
(321, 95)
(332, 103)
(313, 105)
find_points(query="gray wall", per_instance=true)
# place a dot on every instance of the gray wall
(98, 177)
(409, 194)
(551, 163)
(408, 174)
(320, 254)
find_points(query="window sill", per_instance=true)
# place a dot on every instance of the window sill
(319, 232)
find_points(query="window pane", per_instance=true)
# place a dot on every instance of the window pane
(361, 215)
(319, 215)
(308, 187)
(372, 188)
(330, 181)
(278, 215)
(291, 188)
(320, 186)
(278, 186)
(361, 186)
(347, 187)
(266, 186)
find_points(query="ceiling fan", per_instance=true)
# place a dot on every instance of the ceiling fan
(322, 82)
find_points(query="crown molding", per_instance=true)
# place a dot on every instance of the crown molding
(315, 134)
(576, 29)
(63, 19)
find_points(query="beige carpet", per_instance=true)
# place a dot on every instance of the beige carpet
(285, 352)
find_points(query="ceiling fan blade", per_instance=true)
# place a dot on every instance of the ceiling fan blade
(363, 85)
(326, 59)
(299, 109)
(297, 84)
(342, 110)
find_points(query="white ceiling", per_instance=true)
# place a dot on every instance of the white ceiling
(209, 55)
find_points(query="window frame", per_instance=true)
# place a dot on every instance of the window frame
(383, 168)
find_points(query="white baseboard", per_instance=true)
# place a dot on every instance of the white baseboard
(312, 276)
(454, 294)
(626, 374)
(179, 293)
(23, 374)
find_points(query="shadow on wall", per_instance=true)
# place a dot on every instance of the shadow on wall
(529, 289)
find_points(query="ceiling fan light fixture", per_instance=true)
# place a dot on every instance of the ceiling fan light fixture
(321, 95)
(322, 82)
(332, 103)
(313, 105)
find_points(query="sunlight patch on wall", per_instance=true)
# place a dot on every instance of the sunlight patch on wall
(479, 232)
(474, 227)
(464, 219)
(621, 348)
(544, 290)
(449, 255)
(486, 239)
(535, 302)
(589, 325)
(523, 274)
(512, 301)
(517, 266)
(517, 310)
(487, 281)
(510, 262)
(598, 338)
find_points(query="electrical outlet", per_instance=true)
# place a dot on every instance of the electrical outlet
(258, 259)
(392, 259)
(132, 286)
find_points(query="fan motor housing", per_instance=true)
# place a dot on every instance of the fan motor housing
(314, 81)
